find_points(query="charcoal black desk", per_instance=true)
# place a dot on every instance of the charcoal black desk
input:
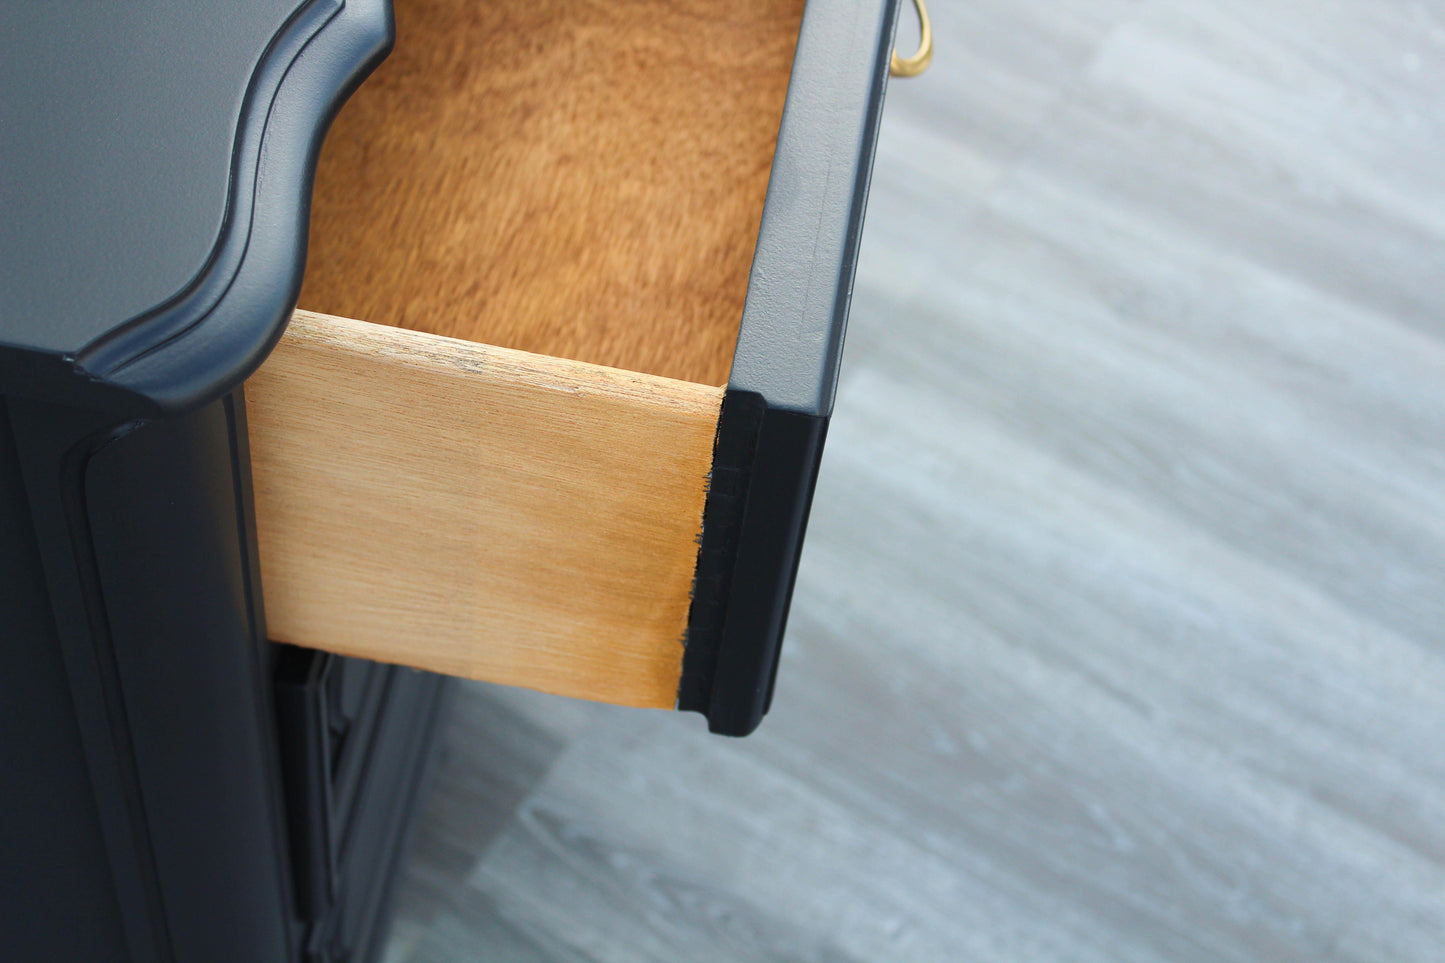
(174, 786)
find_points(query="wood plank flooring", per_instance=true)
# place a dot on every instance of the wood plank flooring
(1118, 632)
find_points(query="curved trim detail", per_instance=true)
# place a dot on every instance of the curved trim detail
(210, 336)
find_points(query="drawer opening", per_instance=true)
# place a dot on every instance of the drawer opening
(581, 180)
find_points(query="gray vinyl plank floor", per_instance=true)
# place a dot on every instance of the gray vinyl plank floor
(1118, 631)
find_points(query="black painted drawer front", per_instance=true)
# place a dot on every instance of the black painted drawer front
(785, 367)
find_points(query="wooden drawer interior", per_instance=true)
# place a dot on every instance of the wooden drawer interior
(577, 179)
(546, 214)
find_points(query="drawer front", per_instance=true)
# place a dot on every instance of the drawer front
(785, 367)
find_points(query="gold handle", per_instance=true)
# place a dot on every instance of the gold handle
(918, 63)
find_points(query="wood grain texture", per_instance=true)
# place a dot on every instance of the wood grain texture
(578, 179)
(1117, 634)
(478, 511)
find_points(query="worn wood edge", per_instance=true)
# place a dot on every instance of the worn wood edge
(478, 511)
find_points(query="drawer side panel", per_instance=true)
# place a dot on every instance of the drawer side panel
(478, 511)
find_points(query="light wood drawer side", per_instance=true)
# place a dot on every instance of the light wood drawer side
(478, 511)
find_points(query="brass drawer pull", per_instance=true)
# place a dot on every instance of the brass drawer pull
(918, 63)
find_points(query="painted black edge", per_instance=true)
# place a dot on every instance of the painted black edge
(204, 342)
(785, 370)
(730, 677)
(791, 338)
(734, 451)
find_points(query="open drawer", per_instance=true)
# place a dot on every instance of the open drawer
(604, 254)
